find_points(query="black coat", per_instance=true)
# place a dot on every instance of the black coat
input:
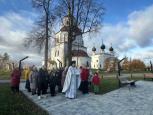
(43, 77)
(53, 78)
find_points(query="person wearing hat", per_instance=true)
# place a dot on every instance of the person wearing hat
(72, 81)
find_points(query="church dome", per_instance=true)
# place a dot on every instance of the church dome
(111, 48)
(102, 47)
(93, 49)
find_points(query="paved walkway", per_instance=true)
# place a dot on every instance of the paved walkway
(124, 101)
(4, 81)
(8, 81)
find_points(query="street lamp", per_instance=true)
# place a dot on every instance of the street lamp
(21, 61)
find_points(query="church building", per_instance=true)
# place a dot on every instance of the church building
(60, 49)
(98, 59)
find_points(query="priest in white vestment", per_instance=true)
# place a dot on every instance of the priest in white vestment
(72, 81)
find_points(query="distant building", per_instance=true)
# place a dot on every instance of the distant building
(59, 51)
(5, 64)
(98, 59)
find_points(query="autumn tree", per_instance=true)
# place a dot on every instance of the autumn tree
(106, 64)
(42, 32)
(85, 14)
(110, 64)
(137, 65)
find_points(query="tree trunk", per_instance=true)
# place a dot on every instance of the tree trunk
(70, 34)
(46, 43)
(69, 54)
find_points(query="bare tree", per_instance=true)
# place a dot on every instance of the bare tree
(85, 14)
(41, 34)
(6, 56)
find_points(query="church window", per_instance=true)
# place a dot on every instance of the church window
(87, 64)
(67, 22)
(100, 65)
(55, 53)
(97, 60)
(57, 40)
(94, 66)
(58, 53)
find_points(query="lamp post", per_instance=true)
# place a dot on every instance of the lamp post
(119, 66)
(21, 61)
(151, 66)
(131, 67)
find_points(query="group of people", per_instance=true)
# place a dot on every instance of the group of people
(66, 80)
(38, 81)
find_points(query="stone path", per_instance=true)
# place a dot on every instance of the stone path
(4, 81)
(8, 81)
(124, 101)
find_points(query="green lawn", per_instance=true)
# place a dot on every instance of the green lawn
(111, 83)
(4, 75)
(18, 104)
(108, 84)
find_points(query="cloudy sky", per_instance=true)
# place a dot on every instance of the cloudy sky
(128, 25)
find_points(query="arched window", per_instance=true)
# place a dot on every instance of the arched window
(87, 64)
(58, 53)
(67, 22)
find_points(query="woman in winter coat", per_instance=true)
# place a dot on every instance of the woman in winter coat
(84, 80)
(33, 80)
(15, 80)
(27, 74)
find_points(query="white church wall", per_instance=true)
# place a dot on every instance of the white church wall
(98, 60)
(95, 61)
(57, 53)
(82, 61)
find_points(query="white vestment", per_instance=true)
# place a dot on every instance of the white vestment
(72, 82)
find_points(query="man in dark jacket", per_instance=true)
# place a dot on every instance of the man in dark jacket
(52, 82)
(42, 82)
(59, 78)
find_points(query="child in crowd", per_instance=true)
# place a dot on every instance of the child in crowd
(96, 82)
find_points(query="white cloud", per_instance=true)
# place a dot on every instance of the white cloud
(140, 26)
(13, 31)
(130, 37)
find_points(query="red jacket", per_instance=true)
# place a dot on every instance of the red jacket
(96, 80)
(84, 74)
(15, 77)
